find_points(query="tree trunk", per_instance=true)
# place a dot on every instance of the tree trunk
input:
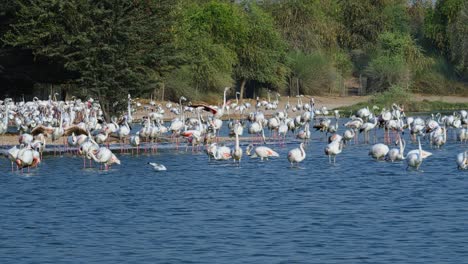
(105, 108)
(242, 88)
(163, 85)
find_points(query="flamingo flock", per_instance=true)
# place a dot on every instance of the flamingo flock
(79, 128)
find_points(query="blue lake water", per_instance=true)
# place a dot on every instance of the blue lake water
(200, 211)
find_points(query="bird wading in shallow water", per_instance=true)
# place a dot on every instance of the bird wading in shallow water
(296, 155)
(157, 166)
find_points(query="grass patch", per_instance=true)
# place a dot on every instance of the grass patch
(402, 97)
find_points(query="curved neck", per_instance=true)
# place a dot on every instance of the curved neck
(224, 99)
(301, 148)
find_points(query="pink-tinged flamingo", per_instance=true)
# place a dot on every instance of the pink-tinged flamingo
(104, 156)
(262, 152)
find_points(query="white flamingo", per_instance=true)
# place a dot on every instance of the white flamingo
(135, 141)
(462, 160)
(157, 166)
(237, 151)
(378, 151)
(13, 155)
(332, 149)
(296, 155)
(396, 154)
(415, 157)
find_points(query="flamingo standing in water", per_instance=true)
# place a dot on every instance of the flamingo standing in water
(348, 135)
(123, 131)
(462, 160)
(104, 156)
(415, 157)
(219, 153)
(135, 142)
(13, 155)
(89, 146)
(27, 157)
(396, 154)
(378, 151)
(262, 152)
(157, 166)
(332, 149)
(237, 152)
(296, 155)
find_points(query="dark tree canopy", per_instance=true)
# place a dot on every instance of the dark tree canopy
(168, 48)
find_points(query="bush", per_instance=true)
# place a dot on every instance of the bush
(386, 71)
(314, 72)
(395, 94)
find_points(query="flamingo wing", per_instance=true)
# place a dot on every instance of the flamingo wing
(206, 108)
(75, 129)
(41, 130)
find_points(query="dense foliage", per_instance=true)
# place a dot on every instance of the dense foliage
(168, 48)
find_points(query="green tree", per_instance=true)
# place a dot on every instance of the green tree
(110, 44)
(437, 20)
(458, 39)
(363, 21)
(397, 59)
(208, 36)
(261, 55)
(307, 25)
(311, 73)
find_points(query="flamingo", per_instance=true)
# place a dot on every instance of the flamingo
(217, 113)
(101, 138)
(296, 155)
(4, 123)
(135, 141)
(364, 113)
(415, 158)
(13, 155)
(39, 144)
(237, 152)
(332, 149)
(27, 158)
(462, 160)
(439, 137)
(257, 129)
(104, 156)
(123, 131)
(157, 166)
(262, 152)
(219, 153)
(463, 135)
(305, 133)
(397, 154)
(378, 151)
(348, 135)
(89, 146)
(25, 139)
(366, 128)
